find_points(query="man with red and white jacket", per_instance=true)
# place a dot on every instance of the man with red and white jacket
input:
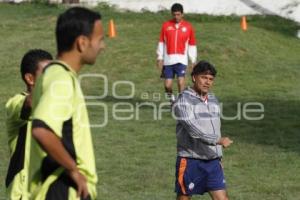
(177, 42)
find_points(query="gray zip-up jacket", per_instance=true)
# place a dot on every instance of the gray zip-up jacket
(198, 126)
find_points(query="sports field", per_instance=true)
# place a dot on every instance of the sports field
(135, 150)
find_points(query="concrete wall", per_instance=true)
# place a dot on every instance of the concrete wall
(285, 8)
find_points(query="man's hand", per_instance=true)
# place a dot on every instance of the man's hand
(225, 142)
(80, 181)
(191, 67)
(53, 146)
(160, 64)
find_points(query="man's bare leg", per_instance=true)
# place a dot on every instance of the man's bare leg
(181, 84)
(183, 197)
(218, 195)
(168, 89)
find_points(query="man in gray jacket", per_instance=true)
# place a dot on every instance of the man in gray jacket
(199, 141)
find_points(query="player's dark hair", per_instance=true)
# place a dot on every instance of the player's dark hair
(72, 23)
(177, 7)
(204, 67)
(31, 59)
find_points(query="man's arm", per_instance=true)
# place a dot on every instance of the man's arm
(160, 65)
(160, 49)
(52, 144)
(192, 48)
(185, 115)
(50, 109)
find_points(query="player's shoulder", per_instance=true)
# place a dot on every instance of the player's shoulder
(56, 68)
(168, 23)
(15, 103)
(212, 98)
(187, 24)
(56, 71)
(16, 99)
(186, 95)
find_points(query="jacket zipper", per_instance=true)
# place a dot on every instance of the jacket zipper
(176, 37)
(212, 127)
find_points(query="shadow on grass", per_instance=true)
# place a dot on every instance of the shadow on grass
(275, 23)
(268, 22)
(133, 101)
(279, 127)
(257, 7)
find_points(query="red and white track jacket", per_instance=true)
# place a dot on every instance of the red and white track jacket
(177, 42)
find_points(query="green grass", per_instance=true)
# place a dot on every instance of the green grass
(135, 158)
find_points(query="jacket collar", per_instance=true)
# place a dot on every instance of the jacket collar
(190, 91)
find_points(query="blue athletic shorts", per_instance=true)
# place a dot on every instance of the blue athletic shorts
(194, 176)
(169, 71)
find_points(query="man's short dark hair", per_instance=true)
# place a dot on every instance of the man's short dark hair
(177, 7)
(72, 23)
(204, 67)
(31, 59)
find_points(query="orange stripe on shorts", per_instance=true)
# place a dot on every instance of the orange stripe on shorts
(182, 168)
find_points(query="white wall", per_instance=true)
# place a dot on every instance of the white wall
(286, 8)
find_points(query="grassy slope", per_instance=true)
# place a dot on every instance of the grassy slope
(136, 158)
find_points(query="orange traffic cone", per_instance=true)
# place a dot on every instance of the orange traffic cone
(111, 29)
(244, 23)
